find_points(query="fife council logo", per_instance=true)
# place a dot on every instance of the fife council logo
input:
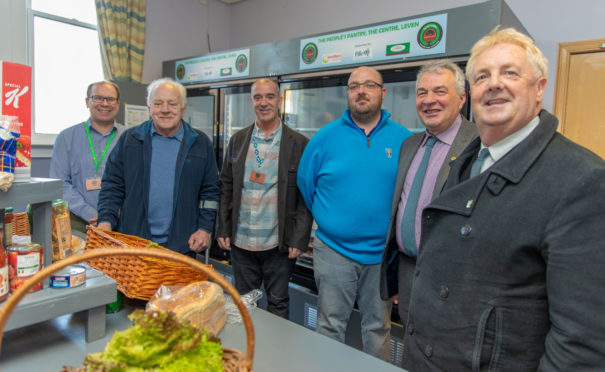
(241, 63)
(309, 53)
(430, 35)
(180, 72)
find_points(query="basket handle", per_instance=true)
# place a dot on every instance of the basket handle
(14, 299)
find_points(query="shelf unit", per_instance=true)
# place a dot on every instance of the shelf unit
(48, 303)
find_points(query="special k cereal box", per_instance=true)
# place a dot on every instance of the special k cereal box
(16, 97)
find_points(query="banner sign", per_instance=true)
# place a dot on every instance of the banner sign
(213, 67)
(390, 41)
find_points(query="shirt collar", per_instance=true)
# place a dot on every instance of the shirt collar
(259, 133)
(178, 135)
(502, 147)
(448, 135)
(113, 127)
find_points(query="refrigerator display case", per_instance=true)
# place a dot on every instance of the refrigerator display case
(312, 73)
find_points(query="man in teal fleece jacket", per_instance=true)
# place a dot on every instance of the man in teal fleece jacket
(346, 176)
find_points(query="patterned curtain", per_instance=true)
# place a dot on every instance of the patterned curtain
(122, 34)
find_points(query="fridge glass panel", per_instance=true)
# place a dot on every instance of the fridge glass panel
(238, 114)
(307, 110)
(400, 101)
(200, 114)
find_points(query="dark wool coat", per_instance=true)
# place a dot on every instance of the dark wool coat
(511, 270)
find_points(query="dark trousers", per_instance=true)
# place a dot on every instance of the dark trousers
(271, 268)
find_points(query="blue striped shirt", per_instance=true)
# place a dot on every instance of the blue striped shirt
(257, 228)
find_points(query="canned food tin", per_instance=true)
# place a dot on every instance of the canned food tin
(24, 261)
(70, 276)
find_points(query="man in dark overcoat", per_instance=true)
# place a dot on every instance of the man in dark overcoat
(509, 275)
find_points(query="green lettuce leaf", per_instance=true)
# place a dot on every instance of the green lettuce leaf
(158, 341)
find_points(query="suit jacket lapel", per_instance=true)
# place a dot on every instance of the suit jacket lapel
(465, 134)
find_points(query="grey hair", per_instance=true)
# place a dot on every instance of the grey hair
(437, 66)
(151, 88)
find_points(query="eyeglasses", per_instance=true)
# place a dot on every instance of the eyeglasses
(101, 99)
(369, 85)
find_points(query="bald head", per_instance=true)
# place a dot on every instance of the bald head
(268, 82)
(366, 72)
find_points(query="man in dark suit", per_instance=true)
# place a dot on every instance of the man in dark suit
(440, 95)
(510, 271)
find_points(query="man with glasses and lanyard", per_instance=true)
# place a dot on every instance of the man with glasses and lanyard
(81, 151)
(346, 176)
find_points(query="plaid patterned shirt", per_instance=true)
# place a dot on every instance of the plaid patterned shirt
(257, 226)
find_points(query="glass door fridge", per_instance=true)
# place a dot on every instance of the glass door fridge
(310, 103)
(202, 112)
(236, 113)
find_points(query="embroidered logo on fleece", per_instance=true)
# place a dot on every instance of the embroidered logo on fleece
(388, 152)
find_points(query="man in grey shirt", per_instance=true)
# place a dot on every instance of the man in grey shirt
(81, 151)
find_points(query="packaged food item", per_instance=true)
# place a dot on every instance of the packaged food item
(77, 244)
(9, 218)
(9, 133)
(24, 261)
(201, 303)
(4, 288)
(68, 277)
(61, 230)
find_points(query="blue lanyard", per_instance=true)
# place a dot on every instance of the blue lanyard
(259, 161)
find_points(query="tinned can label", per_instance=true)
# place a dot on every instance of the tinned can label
(24, 261)
(4, 280)
(28, 264)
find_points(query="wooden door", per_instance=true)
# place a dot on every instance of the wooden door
(580, 93)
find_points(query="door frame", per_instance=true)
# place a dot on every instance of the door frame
(566, 50)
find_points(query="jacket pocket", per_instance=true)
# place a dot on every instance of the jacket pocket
(488, 337)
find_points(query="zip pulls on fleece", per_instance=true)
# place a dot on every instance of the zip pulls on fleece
(369, 134)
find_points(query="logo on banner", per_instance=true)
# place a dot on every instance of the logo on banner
(331, 58)
(309, 53)
(400, 48)
(180, 72)
(363, 51)
(226, 71)
(241, 63)
(430, 35)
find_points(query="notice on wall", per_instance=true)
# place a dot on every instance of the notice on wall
(390, 41)
(135, 115)
(213, 66)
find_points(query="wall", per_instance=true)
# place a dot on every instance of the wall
(182, 28)
(548, 21)
(178, 28)
(13, 31)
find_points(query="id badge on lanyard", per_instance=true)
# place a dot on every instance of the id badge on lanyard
(94, 183)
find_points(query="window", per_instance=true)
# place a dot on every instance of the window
(66, 57)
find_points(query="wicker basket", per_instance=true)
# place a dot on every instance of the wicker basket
(233, 360)
(21, 224)
(137, 276)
